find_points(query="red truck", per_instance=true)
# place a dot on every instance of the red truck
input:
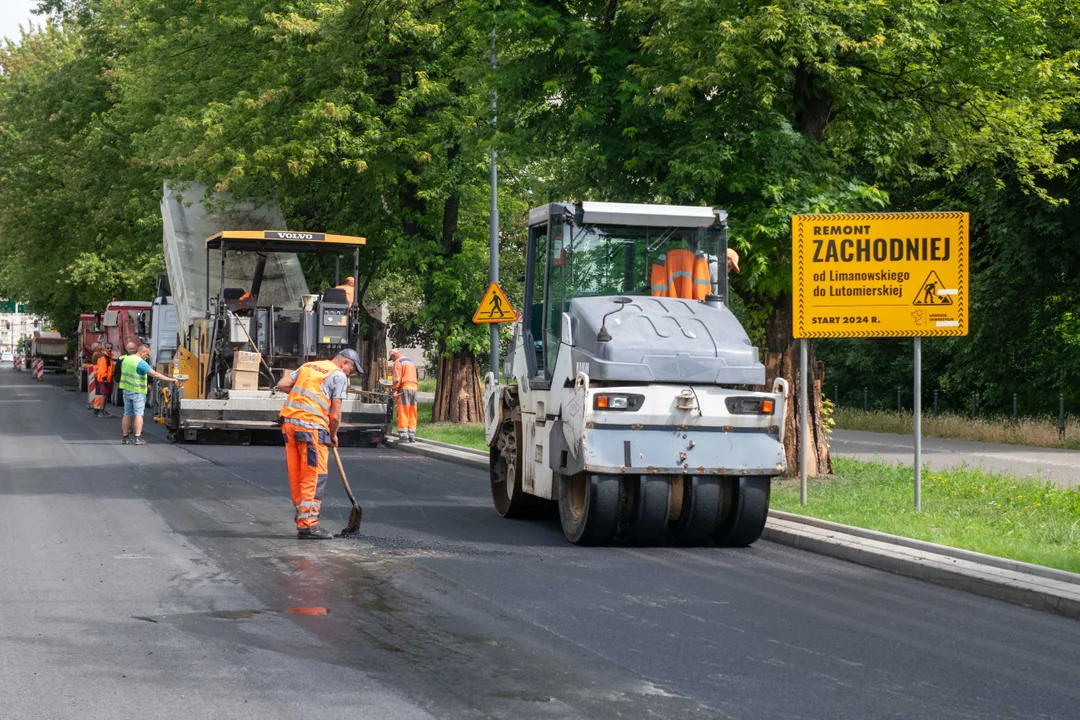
(123, 321)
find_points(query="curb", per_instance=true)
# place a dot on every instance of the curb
(444, 451)
(1012, 581)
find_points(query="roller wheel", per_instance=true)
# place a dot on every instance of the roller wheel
(510, 500)
(589, 508)
(746, 508)
(643, 510)
(700, 511)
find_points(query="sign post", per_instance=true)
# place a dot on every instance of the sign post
(880, 275)
(804, 421)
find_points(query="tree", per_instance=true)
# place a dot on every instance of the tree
(778, 108)
(362, 118)
(78, 223)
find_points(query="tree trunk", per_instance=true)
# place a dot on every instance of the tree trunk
(375, 353)
(459, 394)
(782, 360)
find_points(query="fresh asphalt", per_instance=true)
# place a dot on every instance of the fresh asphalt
(155, 582)
(1061, 467)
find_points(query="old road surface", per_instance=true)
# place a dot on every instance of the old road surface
(156, 582)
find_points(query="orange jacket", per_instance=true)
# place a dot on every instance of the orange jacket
(404, 374)
(104, 371)
(307, 403)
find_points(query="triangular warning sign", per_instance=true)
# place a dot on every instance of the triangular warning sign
(494, 308)
(933, 292)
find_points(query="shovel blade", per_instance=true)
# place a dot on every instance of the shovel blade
(354, 521)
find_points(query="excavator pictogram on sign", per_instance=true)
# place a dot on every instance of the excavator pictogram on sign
(494, 308)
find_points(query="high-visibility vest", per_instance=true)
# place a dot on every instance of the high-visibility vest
(702, 278)
(130, 379)
(405, 374)
(680, 271)
(307, 404)
(658, 281)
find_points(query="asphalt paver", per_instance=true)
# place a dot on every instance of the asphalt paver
(166, 581)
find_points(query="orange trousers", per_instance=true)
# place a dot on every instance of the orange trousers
(306, 454)
(406, 413)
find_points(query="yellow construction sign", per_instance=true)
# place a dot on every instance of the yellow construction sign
(880, 274)
(494, 308)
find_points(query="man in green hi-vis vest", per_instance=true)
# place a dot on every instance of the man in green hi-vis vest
(134, 371)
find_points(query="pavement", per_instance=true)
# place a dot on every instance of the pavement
(1061, 467)
(157, 582)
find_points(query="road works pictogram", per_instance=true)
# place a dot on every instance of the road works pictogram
(933, 292)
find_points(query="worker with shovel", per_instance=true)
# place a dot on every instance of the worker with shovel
(310, 419)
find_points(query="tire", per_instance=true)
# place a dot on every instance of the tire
(643, 510)
(748, 509)
(700, 511)
(589, 508)
(507, 495)
(84, 381)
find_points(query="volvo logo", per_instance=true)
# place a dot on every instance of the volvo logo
(279, 235)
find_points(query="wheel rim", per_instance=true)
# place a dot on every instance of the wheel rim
(578, 490)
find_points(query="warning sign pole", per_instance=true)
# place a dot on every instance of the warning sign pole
(803, 421)
(917, 409)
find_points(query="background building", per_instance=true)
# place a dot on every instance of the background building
(15, 323)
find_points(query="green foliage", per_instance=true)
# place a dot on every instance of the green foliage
(78, 223)
(772, 109)
(374, 119)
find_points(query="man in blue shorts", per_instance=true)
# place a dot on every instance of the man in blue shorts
(134, 370)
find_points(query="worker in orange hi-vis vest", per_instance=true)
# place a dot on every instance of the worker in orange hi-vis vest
(103, 377)
(309, 422)
(405, 386)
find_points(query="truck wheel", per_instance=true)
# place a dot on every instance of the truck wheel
(700, 511)
(589, 508)
(643, 509)
(84, 381)
(747, 510)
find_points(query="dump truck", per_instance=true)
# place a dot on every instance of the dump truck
(52, 349)
(121, 322)
(244, 317)
(634, 407)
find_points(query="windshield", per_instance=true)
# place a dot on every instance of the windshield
(620, 260)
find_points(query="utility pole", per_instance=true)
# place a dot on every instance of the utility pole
(493, 230)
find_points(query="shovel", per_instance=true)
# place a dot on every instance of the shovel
(357, 512)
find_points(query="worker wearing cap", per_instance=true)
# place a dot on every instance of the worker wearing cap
(349, 286)
(310, 419)
(405, 387)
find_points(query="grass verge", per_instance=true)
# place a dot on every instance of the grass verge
(427, 384)
(1038, 432)
(470, 435)
(961, 507)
